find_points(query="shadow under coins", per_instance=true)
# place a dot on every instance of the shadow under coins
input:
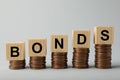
(90, 67)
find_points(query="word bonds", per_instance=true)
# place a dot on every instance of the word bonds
(103, 39)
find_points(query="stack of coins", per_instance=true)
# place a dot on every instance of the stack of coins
(17, 64)
(103, 56)
(59, 60)
(37, 62)
(80, 57)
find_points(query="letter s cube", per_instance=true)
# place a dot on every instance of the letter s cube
(103, 35)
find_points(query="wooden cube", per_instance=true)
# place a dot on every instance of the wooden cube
(81, 38)
(59, 43)
(37, 47)
(15, 51)
(103, 35)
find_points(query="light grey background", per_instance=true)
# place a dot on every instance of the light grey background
(21, 20)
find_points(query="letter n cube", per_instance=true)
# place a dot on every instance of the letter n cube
(59, 43)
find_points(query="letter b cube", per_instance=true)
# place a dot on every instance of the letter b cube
(15, 51)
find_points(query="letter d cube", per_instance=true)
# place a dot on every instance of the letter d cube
(81, 38)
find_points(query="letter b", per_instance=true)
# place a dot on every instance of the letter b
(14, 50)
